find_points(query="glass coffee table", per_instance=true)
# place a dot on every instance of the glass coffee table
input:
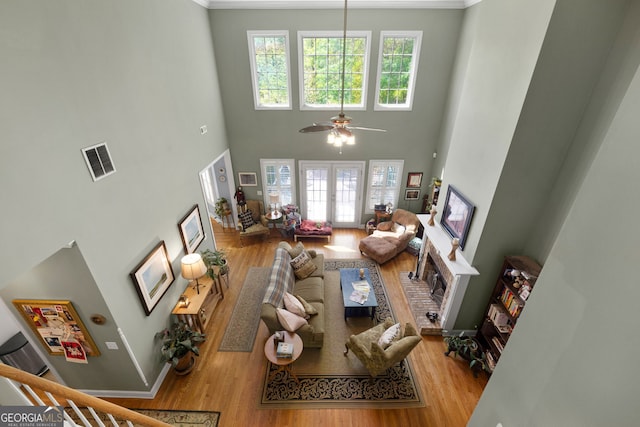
(352, 308)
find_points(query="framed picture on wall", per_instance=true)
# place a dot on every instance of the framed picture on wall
(248, 179)
(414, 180)
(411, 194)
(152, 277)
(191, 230)
(59, 328)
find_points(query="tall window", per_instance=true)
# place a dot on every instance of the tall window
(269, 57)
(320, 69)
(278, 178)
(385, 180)
(397, 68)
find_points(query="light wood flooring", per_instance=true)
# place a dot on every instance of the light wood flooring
(231, 382)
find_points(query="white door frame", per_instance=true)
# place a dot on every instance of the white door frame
(303, 165)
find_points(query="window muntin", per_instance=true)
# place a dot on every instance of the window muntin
(385, 181)
(397, 69)
(278, 177)
(320, 68)
(271, 78)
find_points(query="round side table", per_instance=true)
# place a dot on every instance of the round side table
(284, 364)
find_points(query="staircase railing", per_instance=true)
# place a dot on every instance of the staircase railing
(40, 388)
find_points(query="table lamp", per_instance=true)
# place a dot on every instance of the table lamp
(274, 200)
(193, 268)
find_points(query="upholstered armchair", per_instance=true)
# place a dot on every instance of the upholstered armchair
(376, 358)
(252, 222)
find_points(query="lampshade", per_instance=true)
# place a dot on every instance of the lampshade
(274, 198)
(193, 266)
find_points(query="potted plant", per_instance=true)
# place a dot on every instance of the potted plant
(469, 349)
(179, 346)
(215, 259)
(222, 207)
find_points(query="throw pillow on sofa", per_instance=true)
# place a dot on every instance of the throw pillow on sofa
(385, 226)
(291, 322)
(293, 304)
(303, 266)
(308, 308)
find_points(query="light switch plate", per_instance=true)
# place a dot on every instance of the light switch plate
(111, 345)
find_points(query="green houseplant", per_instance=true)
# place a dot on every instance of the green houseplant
(221, 207)
(179, 341)
(212, 259)
(469, 349)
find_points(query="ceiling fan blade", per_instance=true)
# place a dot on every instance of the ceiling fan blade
(372, 129)
(316, 128)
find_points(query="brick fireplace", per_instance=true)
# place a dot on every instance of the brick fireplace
(453, 276)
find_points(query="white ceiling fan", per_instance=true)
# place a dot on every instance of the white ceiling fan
(340, 127)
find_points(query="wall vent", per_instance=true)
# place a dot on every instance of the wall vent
(98, 161)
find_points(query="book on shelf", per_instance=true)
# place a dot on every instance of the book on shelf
(284, 350)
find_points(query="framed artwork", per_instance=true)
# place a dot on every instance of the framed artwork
(457, 214)
(152, 277)
(411, 194)
(248, 179)
(59, 328)
(191, 230)
(414, 180)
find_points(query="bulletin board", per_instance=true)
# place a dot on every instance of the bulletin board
(59, 328)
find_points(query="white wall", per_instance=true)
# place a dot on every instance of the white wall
(141, 76)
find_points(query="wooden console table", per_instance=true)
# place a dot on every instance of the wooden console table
(201, 306)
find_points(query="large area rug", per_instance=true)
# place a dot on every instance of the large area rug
(175, 418)
(242, 328)
(327, 377)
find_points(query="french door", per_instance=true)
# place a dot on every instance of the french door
(332, 191)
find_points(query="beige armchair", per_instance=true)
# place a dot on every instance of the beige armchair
(376, 359)
(260, 225)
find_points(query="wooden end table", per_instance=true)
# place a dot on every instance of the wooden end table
(284, 364)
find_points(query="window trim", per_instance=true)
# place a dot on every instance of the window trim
(408, 106)
(254, 74)
(385, 163)
(263, 173)
(365, 73)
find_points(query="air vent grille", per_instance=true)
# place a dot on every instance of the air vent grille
(99, 161)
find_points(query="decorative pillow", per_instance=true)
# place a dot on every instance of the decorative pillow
(308, 308)
(296, 250)
(246, 219)
(389, 335)
(385, 226)
(398, 228)
(312, 253)
(294, 305)
(291, 322)
(303, 266)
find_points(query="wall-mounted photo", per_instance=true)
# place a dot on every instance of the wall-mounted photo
(57, 324)
(411, 194)
(191, 230)
(248, 179)
(152, 277)
(414, 180)
(457, 214)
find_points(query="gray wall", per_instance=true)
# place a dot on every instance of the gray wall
(140, 75)
(412, 135)
(570, 360)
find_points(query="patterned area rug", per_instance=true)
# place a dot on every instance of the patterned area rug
(242, 328)
(175, 418)
(327, 377)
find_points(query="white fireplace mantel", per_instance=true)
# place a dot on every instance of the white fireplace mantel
(460, 270)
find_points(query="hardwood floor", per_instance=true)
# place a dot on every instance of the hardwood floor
(231, 382)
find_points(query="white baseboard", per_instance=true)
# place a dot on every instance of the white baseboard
(457, 332)
(131, 393)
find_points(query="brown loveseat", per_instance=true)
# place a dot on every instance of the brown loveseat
(311, 289)
(391, 237)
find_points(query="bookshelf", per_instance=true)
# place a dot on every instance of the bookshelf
(514, 284)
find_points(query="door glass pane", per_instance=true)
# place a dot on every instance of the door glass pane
(317, 194)
(346, 194)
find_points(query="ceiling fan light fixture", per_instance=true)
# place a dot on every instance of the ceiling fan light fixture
(351, 140)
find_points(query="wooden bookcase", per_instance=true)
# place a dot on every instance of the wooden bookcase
(508, 299)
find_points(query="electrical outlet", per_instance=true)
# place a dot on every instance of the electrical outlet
(435, 154)
(203, 130)
(259, 193)
(111, 345)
